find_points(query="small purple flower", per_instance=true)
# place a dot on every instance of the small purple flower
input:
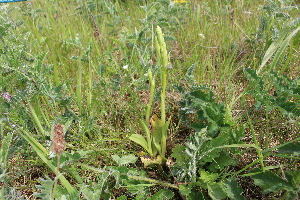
(169, 66)
(7, 96)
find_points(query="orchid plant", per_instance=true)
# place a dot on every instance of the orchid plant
(156, 129)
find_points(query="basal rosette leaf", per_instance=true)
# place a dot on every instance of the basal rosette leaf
(156, 125)
(139, 139)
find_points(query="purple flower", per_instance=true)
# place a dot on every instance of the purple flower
(7, 96)
(169, 66)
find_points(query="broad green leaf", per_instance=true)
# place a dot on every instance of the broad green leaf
(149, 147)
(191, 193)
(269, 181)
(123, 197)
(291, 148)
(156, 132)
(220, 162)
(185, 189)
(139, 139)
(146, 130)
(215, 191)
(233, 190)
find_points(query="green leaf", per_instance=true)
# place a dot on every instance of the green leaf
(6, 141)
(215, 191)
(124, 160)
(293, 177)
(291, 148)
(139, 139)
(163, 194)
(228, 119)
(191, 192)
(233, 190)
(202, 96)
(76, 156)
(149, 145)
(156, 132)
(278, 47)
(220, 162)
(45, 187)
(208, 177)
(184, 189)
(269, 181)
(123, 197)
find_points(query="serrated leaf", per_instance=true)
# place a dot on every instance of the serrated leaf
(208, 177)
(184, 189)
(124, 160)
(269, 181)
(178, 154)
(202, 96)
(233, 190)
(190, 193)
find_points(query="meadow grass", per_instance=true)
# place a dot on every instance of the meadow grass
(83, 63)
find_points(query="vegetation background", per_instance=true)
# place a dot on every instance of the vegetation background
(232, 96)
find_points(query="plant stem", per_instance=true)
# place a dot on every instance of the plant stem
(258, 150)
(79, 84)
(152, 90)
(133, 177)
(57, 174)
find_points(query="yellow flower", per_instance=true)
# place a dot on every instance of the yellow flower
(179, 1)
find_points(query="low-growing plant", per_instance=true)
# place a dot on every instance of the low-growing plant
(204, 166)
(203, 162)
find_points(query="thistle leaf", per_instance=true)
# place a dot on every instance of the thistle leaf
(124, 160)
(233, 190)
